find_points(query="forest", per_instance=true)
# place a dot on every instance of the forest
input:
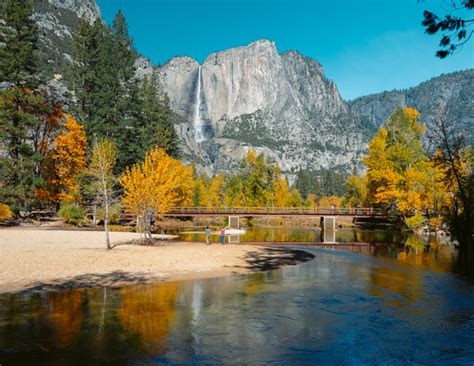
(115, 146)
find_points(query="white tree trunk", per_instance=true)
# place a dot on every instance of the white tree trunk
(106, 214)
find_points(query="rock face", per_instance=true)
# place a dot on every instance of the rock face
(56, 20)
(281, 104)
(448, 96)
(254, 98)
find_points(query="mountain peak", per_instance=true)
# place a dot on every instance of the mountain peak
(87, 8)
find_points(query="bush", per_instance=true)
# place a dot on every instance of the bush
(415, 222)
(5, 213)
(115, 213)
(72, 213)
(435, 223)
(328, 202)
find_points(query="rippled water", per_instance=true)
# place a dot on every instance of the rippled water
(390, 304)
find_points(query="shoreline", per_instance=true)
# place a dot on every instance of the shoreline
(37, 260)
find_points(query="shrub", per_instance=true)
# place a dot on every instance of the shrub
(415, 222)
(115, 212)
(5, 213)
(435, 223)
(72, 213)
(328, 202)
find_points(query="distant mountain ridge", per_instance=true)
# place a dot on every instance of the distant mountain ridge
(256, 98)
(448, 95)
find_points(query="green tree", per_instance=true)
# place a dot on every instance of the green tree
(87, 40)
(108, 94)
(324, 183)
(157, 116)
(305, 182)
(22, 106)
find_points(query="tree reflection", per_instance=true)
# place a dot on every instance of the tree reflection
(149, 312)
(388, 281)
(65, 315)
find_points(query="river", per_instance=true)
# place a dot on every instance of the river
(393, 300)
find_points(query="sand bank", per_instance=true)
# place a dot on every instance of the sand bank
(38, 260)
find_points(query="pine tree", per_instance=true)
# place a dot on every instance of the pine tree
(86, 39)
(21, 104)
(157, 116)
(102, 81)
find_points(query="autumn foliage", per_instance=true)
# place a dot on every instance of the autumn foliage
(401, 177)
(5, 213)
(154, 187)
(150, 313)
(64, 159)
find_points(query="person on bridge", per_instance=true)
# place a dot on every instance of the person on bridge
(208, 235)
(222, 237)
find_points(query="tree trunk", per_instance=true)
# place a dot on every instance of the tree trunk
(106, 215)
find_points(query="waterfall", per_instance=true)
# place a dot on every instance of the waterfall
(198, 125)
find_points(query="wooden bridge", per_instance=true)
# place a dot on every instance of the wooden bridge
(355, 212)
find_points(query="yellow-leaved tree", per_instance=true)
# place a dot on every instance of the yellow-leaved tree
(330, 202)
(282, 197)
(154, 187)
(356, 195)
(214, 195)
(64, 160)
(400, 176)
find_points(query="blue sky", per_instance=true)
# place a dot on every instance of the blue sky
(365, 46)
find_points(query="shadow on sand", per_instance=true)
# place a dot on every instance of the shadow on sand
(91, 280)
(256, 261)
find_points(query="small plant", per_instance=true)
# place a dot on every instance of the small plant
(72, 213)
(415, 222)
(435, 223)
(115, 213)
(5, 213)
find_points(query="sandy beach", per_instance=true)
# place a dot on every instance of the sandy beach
(38, 260)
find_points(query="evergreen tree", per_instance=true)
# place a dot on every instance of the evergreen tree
(324, 183)
(22, 106)
(305, 183)
(87, 39)
(157, 114)
(107, 92)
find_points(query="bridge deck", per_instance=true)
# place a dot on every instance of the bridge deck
(275, 211)
(308, 243)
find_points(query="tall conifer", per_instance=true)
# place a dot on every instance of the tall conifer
(21, 104)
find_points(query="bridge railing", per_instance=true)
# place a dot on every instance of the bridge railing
(349, 211)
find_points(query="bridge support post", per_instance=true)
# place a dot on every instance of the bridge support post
(234, 222)
(328, 229)
(328, 223)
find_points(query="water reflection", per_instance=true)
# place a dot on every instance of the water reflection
(149, 312)
(64, 310)
(328, 236)
(423, 252)
(400, 303)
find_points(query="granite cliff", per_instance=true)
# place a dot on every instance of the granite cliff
(449, 96)
(257, 98)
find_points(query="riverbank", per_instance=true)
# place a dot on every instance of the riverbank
(40, 260)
